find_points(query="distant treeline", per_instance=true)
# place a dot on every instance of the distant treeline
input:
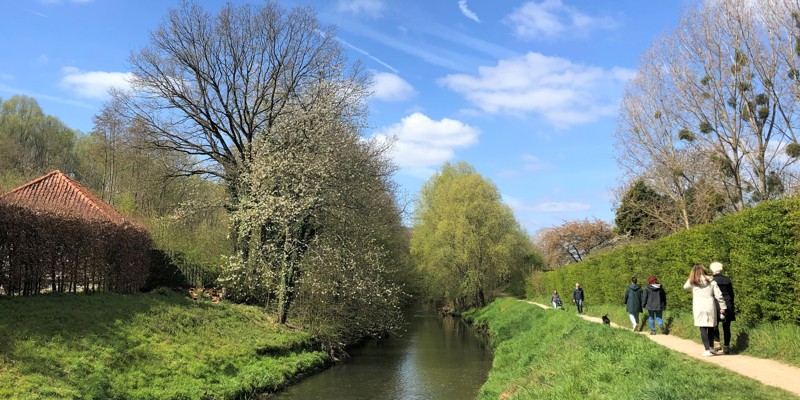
(758, 246)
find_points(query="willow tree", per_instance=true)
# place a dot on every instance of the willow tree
(713, 109)
(465, 242)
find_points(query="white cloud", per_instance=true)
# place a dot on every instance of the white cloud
(366, 53)
(562, 206)
(94, 84)
(462, 5)
(373, 8)
(561, 91)
(422, 143)
(534, 164)
(552, 19)
(42, 60)
(522, 207)
(390, 87)
(44, 96)
(530, 163)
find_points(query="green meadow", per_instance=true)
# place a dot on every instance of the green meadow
(541, 354)
(159, 345)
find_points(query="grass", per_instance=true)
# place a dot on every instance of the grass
(159, 345)
(780, 342)
(540, 354)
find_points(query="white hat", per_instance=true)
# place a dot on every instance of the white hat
(716, 267)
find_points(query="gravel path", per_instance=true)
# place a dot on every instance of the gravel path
(768, 372)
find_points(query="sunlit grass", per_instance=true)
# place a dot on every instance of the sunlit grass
(780, 342)
(541, 354)
(148, 346)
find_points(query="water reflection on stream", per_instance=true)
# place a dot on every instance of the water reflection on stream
(434, 358)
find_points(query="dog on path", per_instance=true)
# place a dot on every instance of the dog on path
(606, 320)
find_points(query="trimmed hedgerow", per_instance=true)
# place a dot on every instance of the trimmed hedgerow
(54, 251)
(759, 247)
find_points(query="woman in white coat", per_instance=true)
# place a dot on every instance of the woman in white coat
(706, 296)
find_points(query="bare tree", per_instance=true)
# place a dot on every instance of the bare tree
(208, 85)
(713, 107)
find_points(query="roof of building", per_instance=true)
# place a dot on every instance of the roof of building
(56, 192)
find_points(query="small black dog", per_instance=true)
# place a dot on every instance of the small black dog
(606, 320)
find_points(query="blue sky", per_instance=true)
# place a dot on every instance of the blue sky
(525, 91)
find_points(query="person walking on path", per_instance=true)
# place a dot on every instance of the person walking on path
(654, 300)
(704, 294)
(726, 287)
(577, 298)
(633, 302)
(556, 300)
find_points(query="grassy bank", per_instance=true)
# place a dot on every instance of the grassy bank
(148, 346)
(776, 341)
(540, 354)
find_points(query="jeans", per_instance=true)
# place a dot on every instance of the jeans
(579, 304)
(555, 305)
(657, 315)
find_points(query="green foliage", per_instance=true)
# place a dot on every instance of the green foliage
(793, 150)
(758, 247)
(184, 214)
(159, 345)
(537, 353)
(636, 214)
(319, 233)
(31, 142)
(705, 127)
(464, 241)
(685, 134)
(194, 232)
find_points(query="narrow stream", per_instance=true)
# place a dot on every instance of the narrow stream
(434, 358)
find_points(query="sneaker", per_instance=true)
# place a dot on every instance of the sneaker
(726, 350)
(707, 353)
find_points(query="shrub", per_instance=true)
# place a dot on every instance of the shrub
(42, 250)
(758, 246)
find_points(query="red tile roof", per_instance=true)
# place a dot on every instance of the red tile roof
(55, 192)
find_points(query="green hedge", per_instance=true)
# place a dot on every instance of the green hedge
(758, 246)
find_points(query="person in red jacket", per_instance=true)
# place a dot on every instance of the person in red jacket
(654, 300)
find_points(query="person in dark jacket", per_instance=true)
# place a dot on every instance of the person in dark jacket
(577, 297)
(654, 300)
(633, 302)
(726, 287)
(556, 300)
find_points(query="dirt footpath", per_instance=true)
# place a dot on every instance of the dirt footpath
(768, 372)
